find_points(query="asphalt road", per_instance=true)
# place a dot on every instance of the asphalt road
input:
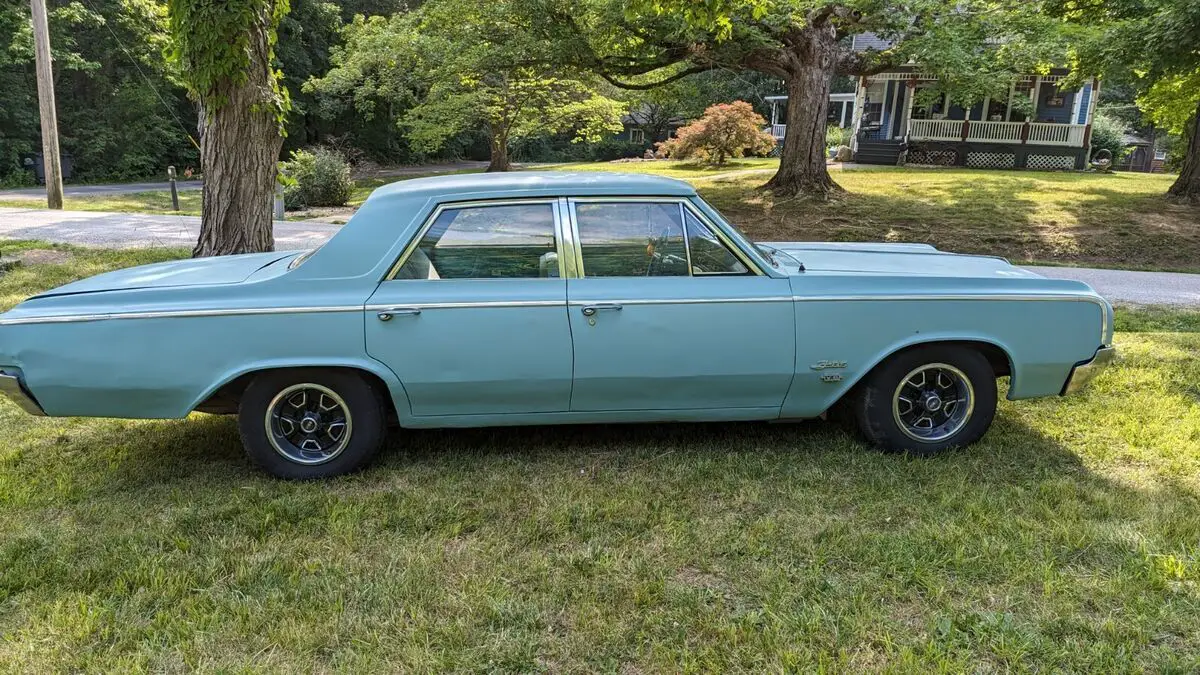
(93, 190)
(132, 230)
(1136, 288)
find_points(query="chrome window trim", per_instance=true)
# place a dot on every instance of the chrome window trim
(685, 204)
(752, 268)
(475, 203)
(569, 237)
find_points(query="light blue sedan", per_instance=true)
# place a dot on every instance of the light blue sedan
(551, 298)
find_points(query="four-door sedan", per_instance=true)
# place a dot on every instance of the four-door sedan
(548, 298)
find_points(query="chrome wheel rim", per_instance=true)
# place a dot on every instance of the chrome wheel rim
(933, 402)
(308, 424)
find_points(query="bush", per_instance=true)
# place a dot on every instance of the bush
(317, 178)
(1108, 133)
(614, 148)
(836, 137)
(725, 130)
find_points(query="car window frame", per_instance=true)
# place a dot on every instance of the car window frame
(414, 242)
(685, 207)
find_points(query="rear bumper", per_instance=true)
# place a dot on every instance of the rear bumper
(1085, 372)
(13, 390)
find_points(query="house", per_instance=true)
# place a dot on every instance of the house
(647, 125)
(891, 127)
(840, 112)
(1141, 155)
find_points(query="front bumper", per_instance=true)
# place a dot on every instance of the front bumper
(1085, 372)
(11, 387)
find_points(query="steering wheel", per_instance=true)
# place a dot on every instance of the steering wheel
(656, 259)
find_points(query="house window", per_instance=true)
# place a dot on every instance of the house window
(637, 136)
(1160, 155)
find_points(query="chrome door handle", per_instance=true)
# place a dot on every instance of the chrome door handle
(590, 310)
(387, 313)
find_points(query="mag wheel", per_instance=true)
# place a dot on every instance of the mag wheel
(311, 423)
(928, 399)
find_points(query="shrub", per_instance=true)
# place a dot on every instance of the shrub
(1108, 133)
(835, 136)
(615, 148)
(725, 130)
(317, 178)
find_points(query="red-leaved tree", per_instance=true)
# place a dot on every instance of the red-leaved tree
(725, 130)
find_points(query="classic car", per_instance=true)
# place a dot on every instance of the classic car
(547, 298)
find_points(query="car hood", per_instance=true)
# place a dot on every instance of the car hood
(893, 260)
(220, 270)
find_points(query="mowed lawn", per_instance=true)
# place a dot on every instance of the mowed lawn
(1082, 219)
(1066, 541)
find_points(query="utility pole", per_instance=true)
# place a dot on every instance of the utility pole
(51, 164)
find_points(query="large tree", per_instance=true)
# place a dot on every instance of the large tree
(224, 49)
(979, 45)
(1150, 45)
(457, 65)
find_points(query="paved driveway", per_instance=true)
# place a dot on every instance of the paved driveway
(133, 230)
(137, 230)
(1138, 288)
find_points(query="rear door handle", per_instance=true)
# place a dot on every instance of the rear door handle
(387, 313)
(590, 310)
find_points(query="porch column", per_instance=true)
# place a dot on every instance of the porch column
(774, 113)
(910, 94)
(860, 103)
(1091, 110)
(1012, 91)
(1035, 95)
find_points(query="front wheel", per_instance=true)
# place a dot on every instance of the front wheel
(311, 422)
(927, 399)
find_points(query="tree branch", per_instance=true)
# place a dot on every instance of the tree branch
(667, 80)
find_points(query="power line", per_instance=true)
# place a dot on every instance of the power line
(136, 65)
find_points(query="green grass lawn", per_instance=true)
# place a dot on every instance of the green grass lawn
(1115, 220)
(153, 201)
(1066, 541)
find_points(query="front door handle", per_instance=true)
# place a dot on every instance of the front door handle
(387, 313)
(590, 310)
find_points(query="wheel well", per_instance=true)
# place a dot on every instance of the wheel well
(997, 357)
(224, 401)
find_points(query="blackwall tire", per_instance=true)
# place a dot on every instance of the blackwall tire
(310, 423)
(927, 399)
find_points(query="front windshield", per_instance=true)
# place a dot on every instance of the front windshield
(765, 251)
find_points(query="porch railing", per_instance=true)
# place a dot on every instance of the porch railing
(1034, 133)
(778, 130)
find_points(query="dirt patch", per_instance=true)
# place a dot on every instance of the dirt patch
(41, 256)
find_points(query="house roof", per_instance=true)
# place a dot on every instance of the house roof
(864, 41)
(1133, 139)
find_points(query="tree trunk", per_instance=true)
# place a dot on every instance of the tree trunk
(811, 64)
(1186, 188)
(239, 152)
(499, 159)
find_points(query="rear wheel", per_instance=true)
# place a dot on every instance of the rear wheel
(311, 422)
(927, 399)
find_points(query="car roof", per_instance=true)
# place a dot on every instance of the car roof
(536, 183)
